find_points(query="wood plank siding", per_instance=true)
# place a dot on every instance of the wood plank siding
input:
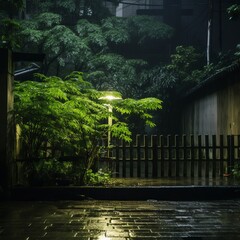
(214, 106)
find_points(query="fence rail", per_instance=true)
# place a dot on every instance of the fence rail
(175, 156)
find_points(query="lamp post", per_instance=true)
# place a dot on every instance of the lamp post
(110, 96)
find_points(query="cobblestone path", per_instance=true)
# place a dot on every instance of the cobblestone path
(115, 220)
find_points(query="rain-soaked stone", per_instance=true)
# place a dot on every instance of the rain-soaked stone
(114, 220)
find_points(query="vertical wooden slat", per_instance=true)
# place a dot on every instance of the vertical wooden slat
(230, 153)
(238, 149)
(131, 159)
(185, 156)
(162, 164)
(177, 159)
(214, 156)
(138, 156)
(117, 159)
(155, 156)
(192, 156)
(124, 159)
(207, 159)
(233, 153)
(221, 160)
(169, 148)
(199, 156)
(146, 155)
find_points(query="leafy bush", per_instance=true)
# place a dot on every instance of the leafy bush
(68, 115)
(236, 171)
(49, 172)
(98, 178)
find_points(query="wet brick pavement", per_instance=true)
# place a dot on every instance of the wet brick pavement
(115, 220)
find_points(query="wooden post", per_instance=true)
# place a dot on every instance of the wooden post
(162, 159)
(131, 159)
(146, 155)
(155, 156)
(230, 152)
(117, 159)
(214, 155)
(185, 157)
(169, 148)
(192, 142)
(124, 166)
(7, 126)
(221, 158)
(138, 156)
(200, 156)
(177, 158)
(207, 159)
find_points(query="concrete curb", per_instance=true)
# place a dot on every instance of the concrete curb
(169, 193)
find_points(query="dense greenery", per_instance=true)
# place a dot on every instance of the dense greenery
(69, 116)
(86, 45)
(123, 54)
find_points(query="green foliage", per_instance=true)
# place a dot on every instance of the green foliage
(237, 53)
(98, 178)
(73, 9)
(9, 33)
(49, 172)
(186, 69)
(116, 30)
(45, 107)
(236, 171)
(234, 11)
(9, 26)
(138, 29)
(114, 71)
(182, 62)
(91, 34)
(47, 20)
(85, 44)
(62, 46)
(68, 115)
(145, 28)
(157, 82)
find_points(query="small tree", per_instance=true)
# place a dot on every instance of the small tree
(68, 115)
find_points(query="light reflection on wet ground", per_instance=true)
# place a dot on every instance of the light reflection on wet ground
(224, 181)
(113, 220)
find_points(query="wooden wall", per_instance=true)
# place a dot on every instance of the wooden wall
(214, 112)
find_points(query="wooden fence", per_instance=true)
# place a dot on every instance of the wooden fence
(175, 156)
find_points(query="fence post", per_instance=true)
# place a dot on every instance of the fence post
(124, 159)
(207, 159)
(155, 156)
(230, 151)
(169, 155)
(214, 156)
(146, 155)
(192, 156)
(138, 156)
(131, 159)
(177, 159)
(221, 146)
(162, 159)
(117, 159)
(199, 156)
(185, 156)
